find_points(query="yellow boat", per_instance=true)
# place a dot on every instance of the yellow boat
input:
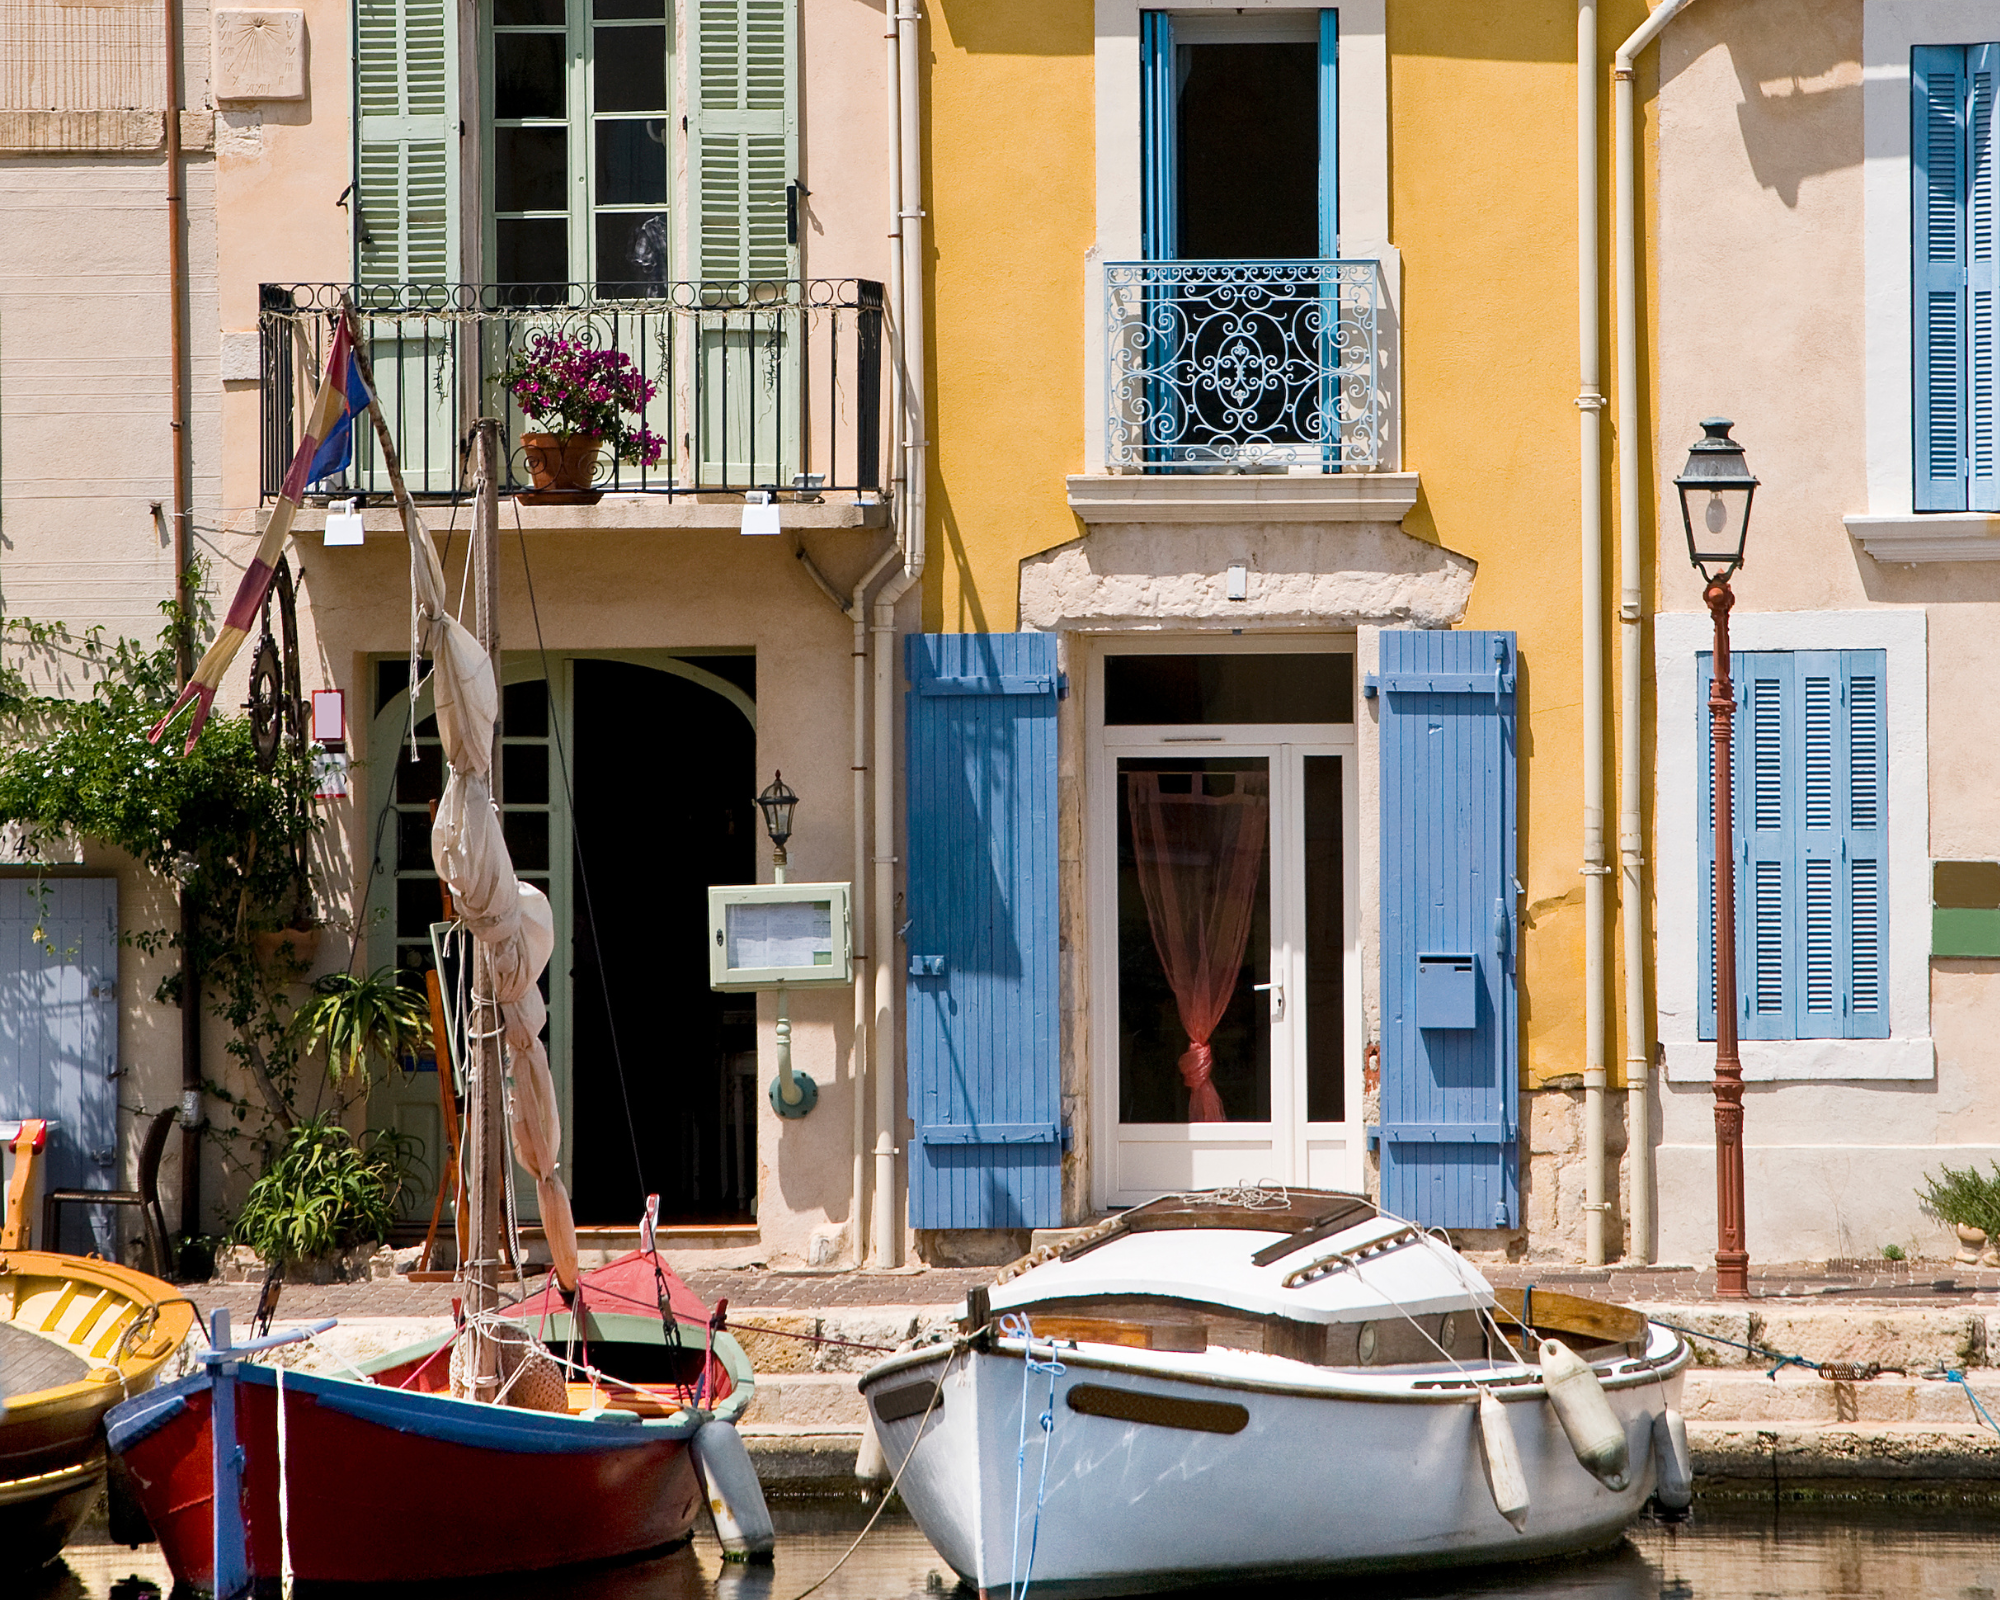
(77, 1335)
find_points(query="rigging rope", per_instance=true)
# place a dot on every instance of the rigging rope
(1015, 1325)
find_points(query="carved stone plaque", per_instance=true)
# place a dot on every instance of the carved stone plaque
(260, 55)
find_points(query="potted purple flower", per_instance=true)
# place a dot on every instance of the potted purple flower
(577, 398)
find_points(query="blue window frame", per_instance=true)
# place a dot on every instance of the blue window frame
(1811, 782)
(1955, 276)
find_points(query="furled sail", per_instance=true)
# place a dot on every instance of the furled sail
(511, 919)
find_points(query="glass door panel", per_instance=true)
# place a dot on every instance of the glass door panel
(1194, 939)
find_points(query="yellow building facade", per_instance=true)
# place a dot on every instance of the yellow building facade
(1095, 476)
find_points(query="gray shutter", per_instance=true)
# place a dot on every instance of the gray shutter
(406, 177)
(743, 137)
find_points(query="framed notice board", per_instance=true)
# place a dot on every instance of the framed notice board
(779, 935)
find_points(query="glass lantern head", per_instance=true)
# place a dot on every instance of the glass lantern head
(1716, 487)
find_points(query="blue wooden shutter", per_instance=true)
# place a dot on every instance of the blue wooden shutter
(1158, 97)
(59, 1034)
(1938, 286)
(1862, 761)
(1765, 772)
(984, 1078)
(1450, 1096)
(1982, 280)
(1329, 133)
(1811, 782)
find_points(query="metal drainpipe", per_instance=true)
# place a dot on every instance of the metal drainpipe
(857, 611)
(1590, 416)
(908, 279)
(178, 500)
(1631, 838)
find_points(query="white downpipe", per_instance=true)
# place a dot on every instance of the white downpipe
(1590, 418)
(864, 1015)
(1631, 857)
(906, 290)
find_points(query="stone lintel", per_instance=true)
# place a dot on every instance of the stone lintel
(81, 132)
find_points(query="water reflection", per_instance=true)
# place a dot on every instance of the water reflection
(1726, 1552)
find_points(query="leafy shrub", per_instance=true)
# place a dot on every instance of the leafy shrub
(1964, 1197)
(324, 1193)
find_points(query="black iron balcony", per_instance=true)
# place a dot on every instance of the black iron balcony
(760, 385)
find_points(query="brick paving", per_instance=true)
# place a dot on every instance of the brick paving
(1937, 1284)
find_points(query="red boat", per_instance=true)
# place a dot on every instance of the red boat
(395, 1481)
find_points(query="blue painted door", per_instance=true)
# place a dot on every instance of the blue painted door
(59, 1034)
(984, 1081)
(1450, 1079)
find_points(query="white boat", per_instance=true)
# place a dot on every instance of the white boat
(1219, 1387)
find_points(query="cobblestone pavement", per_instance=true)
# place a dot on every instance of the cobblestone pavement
(1937, 1284)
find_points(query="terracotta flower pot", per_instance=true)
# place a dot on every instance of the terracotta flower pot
(562, 469)
(1971, 1241)
(286, 952)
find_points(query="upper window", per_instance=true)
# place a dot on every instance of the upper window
(1240, 142)
(1955, 288)
(581, 106)
(1811, 788)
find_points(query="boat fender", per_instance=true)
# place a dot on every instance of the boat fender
(871, 1462)
(1503, 1461)
(735, 1499)
(1673, 1467)
(1595, 1433)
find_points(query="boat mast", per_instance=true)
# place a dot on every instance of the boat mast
(485, 1112)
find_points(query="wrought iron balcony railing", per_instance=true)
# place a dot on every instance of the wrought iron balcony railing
(1223, 366)
(761, 385)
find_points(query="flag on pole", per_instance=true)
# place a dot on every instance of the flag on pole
(329, 437)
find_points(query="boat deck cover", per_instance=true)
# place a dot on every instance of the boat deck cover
(29, 1363)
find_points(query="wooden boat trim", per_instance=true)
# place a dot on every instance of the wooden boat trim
(1442, 1388)
(59, 1480)
(1158, 1410)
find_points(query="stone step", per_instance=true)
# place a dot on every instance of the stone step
(1794, 1452)
(808, 1400)
(841, 1339)
(1738, 1396)
(1912, 1337)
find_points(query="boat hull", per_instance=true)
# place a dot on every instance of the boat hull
(1319, 1479)
(386, 1485)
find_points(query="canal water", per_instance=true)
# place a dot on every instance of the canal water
(1730, 1551)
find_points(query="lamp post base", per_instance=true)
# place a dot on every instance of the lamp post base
(808, 1092)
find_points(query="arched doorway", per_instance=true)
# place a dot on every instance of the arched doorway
(628, 783)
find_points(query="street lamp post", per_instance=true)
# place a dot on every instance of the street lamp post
(1716, 488)
(793, 1094)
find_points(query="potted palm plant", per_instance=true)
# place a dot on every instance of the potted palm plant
(577, 399)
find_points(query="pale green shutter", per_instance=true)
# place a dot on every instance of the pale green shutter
(406, 178)
(743, 136)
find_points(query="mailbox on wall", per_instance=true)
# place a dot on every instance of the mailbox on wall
(1447, 990)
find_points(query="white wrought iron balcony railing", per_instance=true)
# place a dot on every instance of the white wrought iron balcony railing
(1242, 366)
(759, 385)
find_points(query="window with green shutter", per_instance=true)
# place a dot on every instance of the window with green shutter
(743, 138)
(406, 169)
(579, 96)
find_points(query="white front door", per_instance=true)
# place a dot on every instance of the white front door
(1225, 981)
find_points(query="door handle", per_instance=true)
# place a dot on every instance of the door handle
(1277, 993)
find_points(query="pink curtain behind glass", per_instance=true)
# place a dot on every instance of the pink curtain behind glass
(1199, 857)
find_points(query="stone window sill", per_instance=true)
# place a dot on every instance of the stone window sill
(1243, 497)
(1933, 536)
(1808, 1060)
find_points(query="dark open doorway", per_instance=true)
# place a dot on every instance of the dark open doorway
(665, 774)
